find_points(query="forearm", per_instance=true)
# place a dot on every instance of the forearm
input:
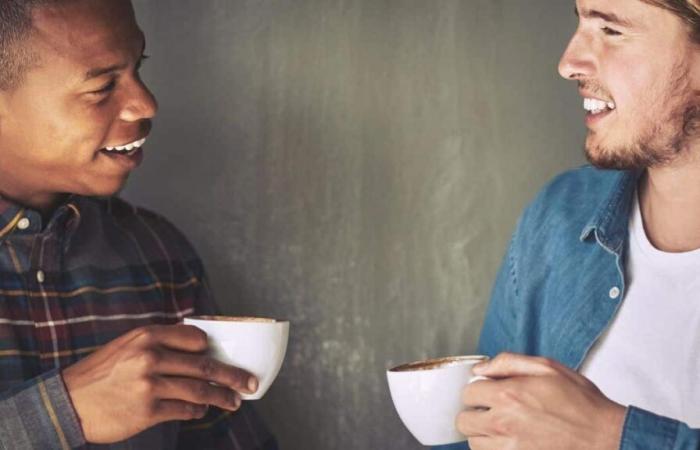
(38, 415)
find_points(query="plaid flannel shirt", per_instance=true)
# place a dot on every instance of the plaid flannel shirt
(97, 269)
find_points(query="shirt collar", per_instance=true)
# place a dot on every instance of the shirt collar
(66, 216)
(610, 220)
(10, 214)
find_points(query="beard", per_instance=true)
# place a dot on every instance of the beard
(664, 139)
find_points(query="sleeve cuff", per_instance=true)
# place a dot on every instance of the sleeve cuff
(39, 414)
(644, 430)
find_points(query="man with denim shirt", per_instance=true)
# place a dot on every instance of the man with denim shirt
(92, 288)
(594, 320)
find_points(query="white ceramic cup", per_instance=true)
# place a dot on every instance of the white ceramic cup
(428, 396)
(257, 345)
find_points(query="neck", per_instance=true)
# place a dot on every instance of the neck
(669, 200)
(45, 204)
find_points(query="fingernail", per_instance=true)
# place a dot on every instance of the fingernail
(236, 401)
(252, 384)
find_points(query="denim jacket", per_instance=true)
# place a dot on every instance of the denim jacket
(562, 281)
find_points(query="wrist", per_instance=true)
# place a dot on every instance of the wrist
(614, 421)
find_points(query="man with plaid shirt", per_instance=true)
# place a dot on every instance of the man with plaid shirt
(91, 288)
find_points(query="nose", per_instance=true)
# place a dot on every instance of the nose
(139, 103)
(578, 60)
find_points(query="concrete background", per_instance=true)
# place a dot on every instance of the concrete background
(356, 167)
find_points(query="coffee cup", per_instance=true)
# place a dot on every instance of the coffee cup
(428, 396)
(254, 344)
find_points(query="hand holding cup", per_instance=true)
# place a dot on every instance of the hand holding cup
(151, 375)
(257, 345)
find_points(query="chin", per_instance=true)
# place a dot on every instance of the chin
(104, 188)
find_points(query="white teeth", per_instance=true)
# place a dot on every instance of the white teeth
(127, 147)
(596, 106)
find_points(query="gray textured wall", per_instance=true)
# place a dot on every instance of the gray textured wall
(356, 167)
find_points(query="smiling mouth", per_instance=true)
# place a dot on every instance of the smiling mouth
(595, 106)
(126, 149)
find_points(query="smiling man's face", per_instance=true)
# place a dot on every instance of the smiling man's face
(638, 71)
(82, 96)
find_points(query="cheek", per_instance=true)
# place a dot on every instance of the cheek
(80, 133)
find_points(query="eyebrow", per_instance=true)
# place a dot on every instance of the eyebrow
(99, 71)
(608, 17)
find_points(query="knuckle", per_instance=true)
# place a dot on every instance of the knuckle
(193, 411)
(148, 409)
(502, 425)
(149, 359)
(505, 356)
(544, 361)
(549, 364)
(207, 367)
(145, 387)
(146, 334)
(203, 390)
(507, 397)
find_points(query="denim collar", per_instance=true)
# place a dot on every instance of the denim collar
(609, 224)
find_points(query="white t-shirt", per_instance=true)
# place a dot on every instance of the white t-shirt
(649, 357)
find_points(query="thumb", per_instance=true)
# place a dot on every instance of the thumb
(514, 365)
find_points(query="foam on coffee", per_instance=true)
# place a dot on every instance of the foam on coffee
(435, 363)
(235, 319)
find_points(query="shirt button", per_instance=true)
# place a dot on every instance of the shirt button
(614, 292)
(23, 223)
(40, 277)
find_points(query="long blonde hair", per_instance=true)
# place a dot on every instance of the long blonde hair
(688, 10)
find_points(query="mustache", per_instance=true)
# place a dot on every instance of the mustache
(593, 87)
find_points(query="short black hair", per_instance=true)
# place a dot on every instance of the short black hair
(15, 28)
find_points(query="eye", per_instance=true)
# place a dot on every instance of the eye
(143, 58)
(106, 88)
(610, 32)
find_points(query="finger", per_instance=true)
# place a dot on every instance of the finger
(482, 394)
(474, 423)
(486, 443)
(167, 410)
(196, 391)
(206, 368)
(177, 337)
(512, 365)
